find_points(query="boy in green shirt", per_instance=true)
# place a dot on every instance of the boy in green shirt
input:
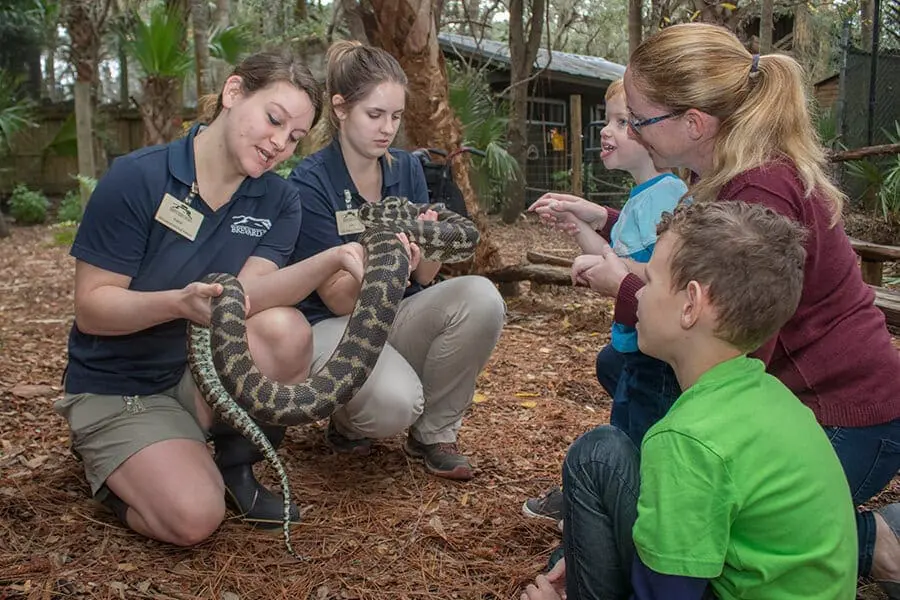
(736, 493)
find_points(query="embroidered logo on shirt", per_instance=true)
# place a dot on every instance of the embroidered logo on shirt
(251, 226)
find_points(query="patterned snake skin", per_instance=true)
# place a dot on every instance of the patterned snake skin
(238, 393)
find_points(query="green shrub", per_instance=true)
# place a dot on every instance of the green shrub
(70, 208)
(28, 207)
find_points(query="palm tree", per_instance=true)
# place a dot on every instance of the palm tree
(484, 122)
(156, 45)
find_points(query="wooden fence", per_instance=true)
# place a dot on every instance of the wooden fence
(44, 157)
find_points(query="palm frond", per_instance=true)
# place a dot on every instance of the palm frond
(157, 44)
(230, 43)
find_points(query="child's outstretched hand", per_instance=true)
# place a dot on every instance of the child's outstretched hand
(569, 213)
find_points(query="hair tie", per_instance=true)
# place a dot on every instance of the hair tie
(755, 66)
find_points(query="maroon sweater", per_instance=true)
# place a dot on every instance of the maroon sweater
(835, 353)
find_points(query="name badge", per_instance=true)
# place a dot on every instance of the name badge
(179, 217)
(348, 222)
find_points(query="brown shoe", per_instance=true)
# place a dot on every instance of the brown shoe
(442, 459)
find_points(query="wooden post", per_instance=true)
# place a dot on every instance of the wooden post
(577, 146)
(871, 271)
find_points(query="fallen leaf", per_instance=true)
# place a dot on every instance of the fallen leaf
(126, 567)
(144, 586)
(526, 395)
(230, 596)
(465, 499)
(35, 462)
(529, 404)
(478, 398)
(322, 592)
(436, 524)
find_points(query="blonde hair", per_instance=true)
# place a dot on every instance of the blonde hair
(750, 257)
(259, 71)
(759, 100)
(615, 88)
(352, 71)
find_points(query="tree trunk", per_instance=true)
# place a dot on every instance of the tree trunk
(801, 41)
(4, 228)
(220, 69)
(354, 19)
(635, 24)
(406, 29)
(50, 70)
(766, 26)
(159, 110)
(84, 132)
(222, 14)
(522, 54)
(200, 21)
(866, 18)
(300, 11)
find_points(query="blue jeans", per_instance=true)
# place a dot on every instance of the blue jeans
(601, 482)
(870, 457)
(643, 389)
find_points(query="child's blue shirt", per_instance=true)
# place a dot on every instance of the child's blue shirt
(634, 234)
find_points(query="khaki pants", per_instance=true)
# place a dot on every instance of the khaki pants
(108, 430)
(425, 377)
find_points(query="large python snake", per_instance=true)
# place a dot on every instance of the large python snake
(219, 357)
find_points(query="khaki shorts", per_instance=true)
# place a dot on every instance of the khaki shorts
(108, 430)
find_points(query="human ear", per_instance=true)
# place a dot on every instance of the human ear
(337, 103)
(700, 125)
(695, 296)
(232, 90)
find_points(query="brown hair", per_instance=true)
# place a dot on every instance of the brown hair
(352, 71)
(261, 70)
(750, 257)
(615, 88)
(760, 102)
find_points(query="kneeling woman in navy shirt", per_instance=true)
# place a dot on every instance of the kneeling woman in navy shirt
(443, 334)
(137, 420)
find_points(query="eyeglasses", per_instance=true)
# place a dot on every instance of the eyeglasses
(636, 124)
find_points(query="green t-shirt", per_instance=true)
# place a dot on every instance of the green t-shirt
(740, 485)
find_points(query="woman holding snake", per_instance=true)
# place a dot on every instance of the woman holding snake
(443, 334)
(160, 220)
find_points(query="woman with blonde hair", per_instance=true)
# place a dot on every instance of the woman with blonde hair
(443, 334)
(740, 122)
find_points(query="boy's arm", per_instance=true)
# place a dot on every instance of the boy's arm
(650, 585)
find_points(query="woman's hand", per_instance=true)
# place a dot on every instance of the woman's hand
(353, 259)
(413, 250)
(194, 301)
(603, 273)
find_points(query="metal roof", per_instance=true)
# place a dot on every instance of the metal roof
(578, 65)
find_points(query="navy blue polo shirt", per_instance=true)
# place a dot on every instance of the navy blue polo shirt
(322, 179)
(120, 234)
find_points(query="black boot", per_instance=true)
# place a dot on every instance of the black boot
(235, 456)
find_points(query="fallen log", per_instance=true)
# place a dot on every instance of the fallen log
(547, 259)
(545, 274)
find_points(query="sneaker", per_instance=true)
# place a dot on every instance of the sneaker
(548, 505)
(442, 459)
(344, 445)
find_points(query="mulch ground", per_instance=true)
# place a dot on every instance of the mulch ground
(374, 528)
